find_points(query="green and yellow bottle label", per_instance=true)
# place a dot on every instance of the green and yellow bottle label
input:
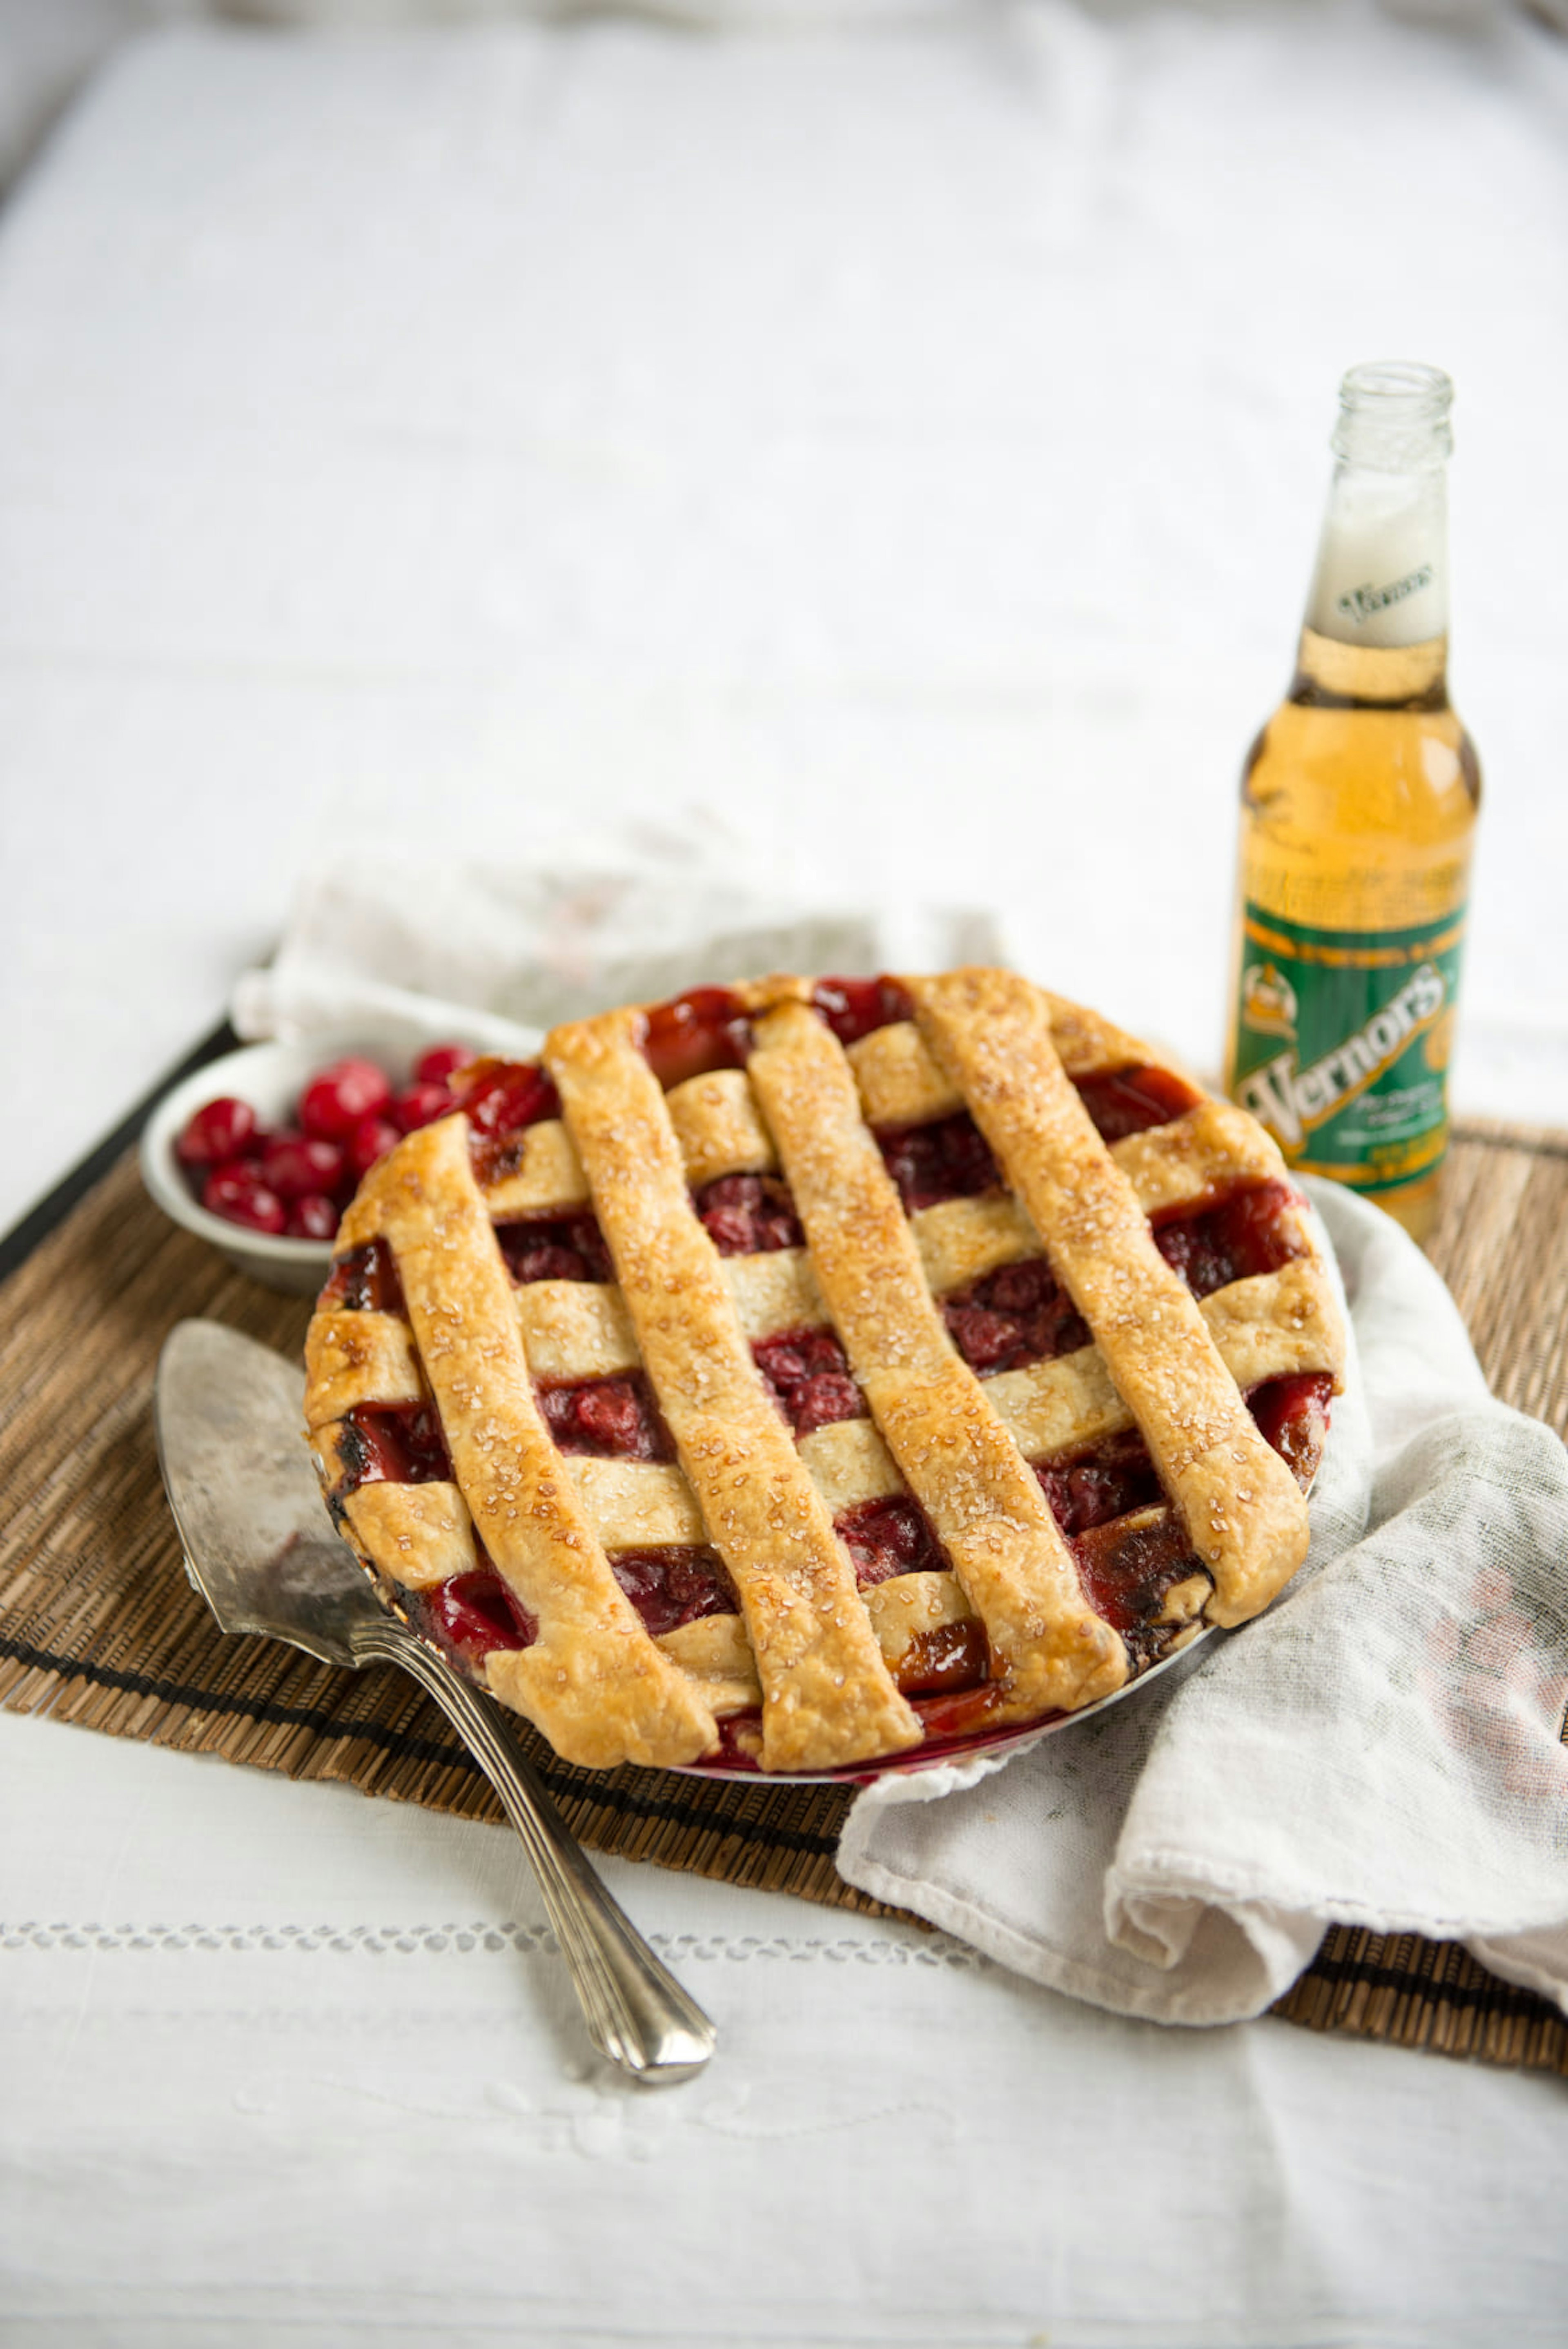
(1342, 1044)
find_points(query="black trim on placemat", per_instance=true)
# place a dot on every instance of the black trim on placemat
(624, 1801)
(18, 1243)
(1493, 1996)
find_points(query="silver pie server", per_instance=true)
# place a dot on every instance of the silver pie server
(261, 1550)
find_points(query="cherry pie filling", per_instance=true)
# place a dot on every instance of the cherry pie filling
(808, 1374)
(390, 1443)
(556, 1247)
(1016, 1315)
(365, 1281)
(503, 1099)
(695, 1033)
(889, 1538)
(674, 1585)
(604, 1419)
(748, 1215)
(853, 1007)
(1247, 1234)
(948, 1158)
(1129, 1545)
(472, 1616)
(1021, 1314)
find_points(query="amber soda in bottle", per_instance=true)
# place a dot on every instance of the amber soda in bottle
(1358, 809)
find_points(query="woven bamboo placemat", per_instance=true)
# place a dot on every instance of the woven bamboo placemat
(99, 1626)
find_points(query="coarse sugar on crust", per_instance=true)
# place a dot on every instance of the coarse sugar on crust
(841, 1366)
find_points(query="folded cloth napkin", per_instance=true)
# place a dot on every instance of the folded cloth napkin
(493, 953)
(1381, 1748)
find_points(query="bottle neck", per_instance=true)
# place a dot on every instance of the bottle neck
(1335, 676)
(1382, 577)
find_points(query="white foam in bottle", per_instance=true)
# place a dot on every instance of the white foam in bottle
(1382, 565)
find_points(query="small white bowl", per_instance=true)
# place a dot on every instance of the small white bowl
(271, 1077)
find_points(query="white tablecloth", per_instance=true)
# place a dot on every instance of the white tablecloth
(281, 2062)
(909, 446)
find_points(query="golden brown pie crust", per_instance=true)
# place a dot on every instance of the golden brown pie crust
(819, 1655)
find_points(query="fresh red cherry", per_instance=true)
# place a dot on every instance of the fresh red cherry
(334, 1100)
(313, 1218)
(371, 1140)
(220, 1130)
(237, 1192)
(296, 1168)
(434, 1067)
(420, 1104)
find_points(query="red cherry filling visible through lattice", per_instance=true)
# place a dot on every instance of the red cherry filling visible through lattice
(1131, 1101)
(502, 1099)
(808, 1374)
(708, 1028)
(556, 1247)
(948, 1158)
(365, 1281)
(694, 1034)
(473, 1614)
(749, 1215)
(1019, 1314)
(606, 1419)
(476, 1614)
(889, 1538)
(1110, 1481)
(1014, 1316)
(853, 1007)
(391, 1444)
(1245, 1235)
(674, 1585)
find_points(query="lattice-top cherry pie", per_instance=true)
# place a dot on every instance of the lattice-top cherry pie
(806, 1373)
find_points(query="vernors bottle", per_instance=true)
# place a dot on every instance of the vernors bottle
(1358, 810)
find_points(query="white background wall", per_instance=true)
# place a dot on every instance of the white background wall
(906, 445)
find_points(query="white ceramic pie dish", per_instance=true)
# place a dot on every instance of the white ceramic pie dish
(270, 1077)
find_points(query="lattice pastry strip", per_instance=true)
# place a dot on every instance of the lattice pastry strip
(359, 1358)
(721, 1132)
(1050, 1647)
(575, 1329)
(418, 1535)
(827, 1696)
(991, 1032)
(902, 1612)
(601, 1690)
(718, 1128)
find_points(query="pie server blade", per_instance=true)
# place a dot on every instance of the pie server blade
(258, 1543)
(261, 1550)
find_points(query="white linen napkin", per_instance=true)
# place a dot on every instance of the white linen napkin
(491, 954)
(1379, 1749)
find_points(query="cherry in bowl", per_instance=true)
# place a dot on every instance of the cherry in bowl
(293, 1179)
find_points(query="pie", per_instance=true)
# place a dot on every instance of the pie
(795, 1375)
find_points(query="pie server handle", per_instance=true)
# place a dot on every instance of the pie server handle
(637, 2012)
(261, 1550)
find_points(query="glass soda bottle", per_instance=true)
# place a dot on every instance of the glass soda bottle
(1358, 810)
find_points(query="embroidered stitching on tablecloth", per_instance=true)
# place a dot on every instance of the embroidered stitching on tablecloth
(435, 1940)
